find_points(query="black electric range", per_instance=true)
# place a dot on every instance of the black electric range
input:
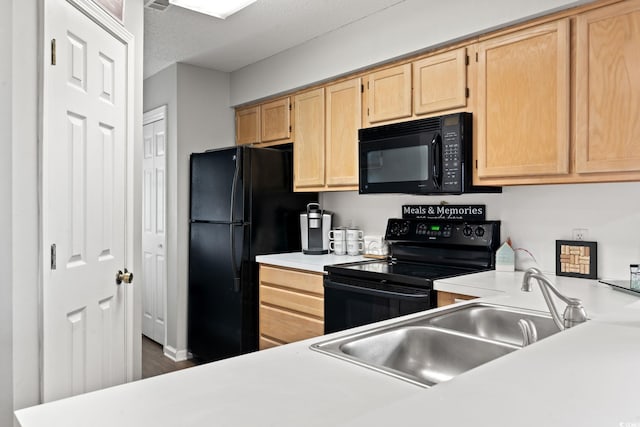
(421, 251)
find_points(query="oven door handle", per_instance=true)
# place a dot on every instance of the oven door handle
(374, 292)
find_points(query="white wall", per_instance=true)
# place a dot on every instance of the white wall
(199, 118)
(533, 216)
(407, 27)
(6, 357)
(134, 22)
(25, 223)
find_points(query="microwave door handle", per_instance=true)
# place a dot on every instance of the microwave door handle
(436, 155)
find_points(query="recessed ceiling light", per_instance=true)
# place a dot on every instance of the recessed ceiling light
(218, 8)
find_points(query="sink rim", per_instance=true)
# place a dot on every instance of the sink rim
(332, 346)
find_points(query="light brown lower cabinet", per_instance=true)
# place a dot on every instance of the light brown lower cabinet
(291, 305)
(448, 298)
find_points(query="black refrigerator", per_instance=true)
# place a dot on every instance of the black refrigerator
(242, 205)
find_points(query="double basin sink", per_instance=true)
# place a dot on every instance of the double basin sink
(433, 348)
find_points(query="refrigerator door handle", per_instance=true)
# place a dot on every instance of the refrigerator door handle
(234, 263)
(234, 185)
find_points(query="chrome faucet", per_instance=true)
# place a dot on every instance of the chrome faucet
(573, 315)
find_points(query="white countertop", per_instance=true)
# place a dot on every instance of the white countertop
(315, 263)
(585, 376)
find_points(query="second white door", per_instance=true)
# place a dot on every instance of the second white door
(154, 231)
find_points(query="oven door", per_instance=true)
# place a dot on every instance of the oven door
(352, 302)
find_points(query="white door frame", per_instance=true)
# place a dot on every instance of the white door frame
(132, 296)
(148, 117)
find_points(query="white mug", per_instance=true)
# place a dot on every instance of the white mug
(354, 247)
(354, 234)
(338, 234)
(338, 247)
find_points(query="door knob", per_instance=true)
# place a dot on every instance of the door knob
(126, 277)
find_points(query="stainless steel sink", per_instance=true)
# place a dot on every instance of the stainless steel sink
(494, 322)
(421, 354)
(433, 348)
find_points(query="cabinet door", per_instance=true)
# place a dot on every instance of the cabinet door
(389, 94)
(308, 148)
(276, 120)
(608, 89)
(440, 82)
(344, 112)
(248, 125)
(523, 103)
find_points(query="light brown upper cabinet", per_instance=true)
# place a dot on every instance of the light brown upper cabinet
(440, 82)
(343, 119)
(276, 120)
(388, 95)
(248, 125)
(308, 149)
(608, 89)
(523, 103)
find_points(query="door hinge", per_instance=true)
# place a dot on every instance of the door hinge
(289, 129)
(367, 111)
(467, 92)
(476, 56)
(53, 256)
(467, 60)
(53, 51)
(361, 88)
(290, 107)
(476, 163)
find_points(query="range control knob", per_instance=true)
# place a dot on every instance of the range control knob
(405, 228)
(467, 231)
(394, 229)
(479, 231)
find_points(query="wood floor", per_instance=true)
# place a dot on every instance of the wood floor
(154, 362)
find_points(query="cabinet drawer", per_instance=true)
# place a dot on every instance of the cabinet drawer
(295, 301)
(265, 343)
(288, 327)
(280, 277)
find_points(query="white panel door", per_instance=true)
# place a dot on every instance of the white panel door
(84, 193)
(153, 231)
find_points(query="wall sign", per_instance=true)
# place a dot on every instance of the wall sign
(460, 212)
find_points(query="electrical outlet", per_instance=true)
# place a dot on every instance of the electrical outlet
(580, 233)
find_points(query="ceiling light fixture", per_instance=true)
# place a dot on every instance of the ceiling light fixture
(218, 8)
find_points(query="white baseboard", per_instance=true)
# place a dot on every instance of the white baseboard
(175, 355)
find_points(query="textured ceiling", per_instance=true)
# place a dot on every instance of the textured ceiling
(257, 32)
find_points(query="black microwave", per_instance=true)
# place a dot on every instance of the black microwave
(426, 156)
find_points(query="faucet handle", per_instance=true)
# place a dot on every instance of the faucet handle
(574, 314)
(529, 331)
